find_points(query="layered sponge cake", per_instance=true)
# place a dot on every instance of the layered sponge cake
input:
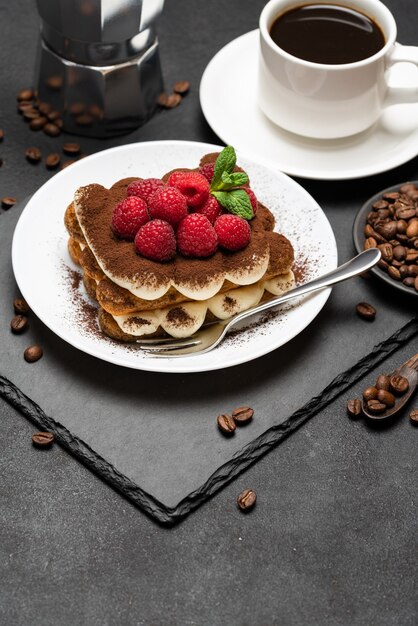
(164, 256)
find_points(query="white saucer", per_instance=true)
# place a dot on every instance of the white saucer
(228, 96)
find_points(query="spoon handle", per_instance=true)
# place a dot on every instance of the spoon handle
(413, 362)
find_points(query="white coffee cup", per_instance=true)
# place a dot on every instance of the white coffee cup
(330, 101)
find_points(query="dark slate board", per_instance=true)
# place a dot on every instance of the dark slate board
(153, 436)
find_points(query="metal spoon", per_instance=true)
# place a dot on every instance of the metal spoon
(408, 370)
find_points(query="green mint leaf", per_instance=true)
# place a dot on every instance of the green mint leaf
(235, 201)
(236, 179)
(224, 163)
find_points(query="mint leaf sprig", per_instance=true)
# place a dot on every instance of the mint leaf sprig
(225, 182)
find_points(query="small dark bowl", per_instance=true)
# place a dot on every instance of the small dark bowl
(359, 238)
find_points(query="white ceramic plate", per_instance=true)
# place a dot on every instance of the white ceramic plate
(45, 280)
(231, 109)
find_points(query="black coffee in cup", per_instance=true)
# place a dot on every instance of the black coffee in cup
(327, 33)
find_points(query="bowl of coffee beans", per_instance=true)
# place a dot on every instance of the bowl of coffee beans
(389, 221)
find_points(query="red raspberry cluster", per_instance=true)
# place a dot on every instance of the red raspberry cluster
(180, 216)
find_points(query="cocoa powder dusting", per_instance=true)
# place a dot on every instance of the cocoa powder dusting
(179, 317)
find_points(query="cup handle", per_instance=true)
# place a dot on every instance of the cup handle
(402, 95)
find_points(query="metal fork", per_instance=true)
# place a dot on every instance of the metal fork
(210, 335)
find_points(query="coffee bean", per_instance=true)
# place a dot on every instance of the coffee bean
(403, 270)
(383, 214)
(226, 424)
(170, 101)
(416, 283)
(399, 384)
(44, 108)
(386, 397)
(33, 155)
(391, 196)
(51, 130)
(20, 306)
(31, 114)
(25, 94)
(71, 148)
(43, 439)
(407, 187)
(394, 273)
(181, 87)
(380, 204)
(8, 202)
(370, 394)
(401, 226)
(388, 230)
(370, 243)
(411, 256)
(52, 160)
(24, 106)
(383, 382)
(409, 281)
(19, 324)
(405, 214)
(383, 265)
(387, 252)
(242, 415)
(38, 123)
(53, 116)
(77, 108)
(59, 123)
(375, 407)
(33, 353)
(1, 134)
(354, 409)
(413, 270)
(247, 499)
(412, 230)
(366, 311)
(399, 253)
(413, 416)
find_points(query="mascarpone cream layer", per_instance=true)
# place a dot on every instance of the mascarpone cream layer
(185, 319)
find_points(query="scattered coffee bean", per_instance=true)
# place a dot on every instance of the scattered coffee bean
(366, 311)
(399, 384)
(25, 94)
(24, 106)
(375, 407)
(409, 281)
(391, 196)
(71, 148)
(386, 397)
(33, 155)
(53, 116)
(43, 439)
(8, 202)
(20, 306)
(52, 130)
(77, 108)
(19, 324)
(169, 101)
(33, 353)
(242, 415)
(226, 424)
(31, 114)
(247, 499)
(370, 394)
(413, 416)
(181, 87)
(44, 108)
(52, 160)
(38, 123)
(354, 409)
(394, 272)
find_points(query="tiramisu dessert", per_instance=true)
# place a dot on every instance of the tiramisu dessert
(164, 256)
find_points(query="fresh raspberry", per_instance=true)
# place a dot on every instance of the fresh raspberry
(144, 187)
(207, 171)
(210, 209)
(156, 241)
(167, 203)
(252, 197)
(233, 232)
(196, 236)
(128, 216)
(193, 186)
